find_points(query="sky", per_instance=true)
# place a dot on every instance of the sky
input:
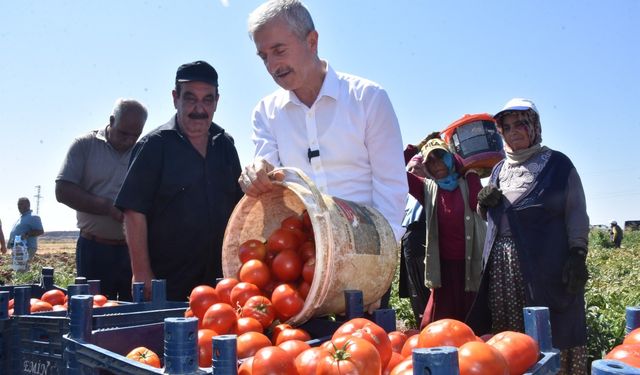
(65, 62)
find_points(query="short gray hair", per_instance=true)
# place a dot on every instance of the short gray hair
(292, 11)
(124, 105)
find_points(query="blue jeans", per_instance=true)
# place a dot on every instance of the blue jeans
(107, 263)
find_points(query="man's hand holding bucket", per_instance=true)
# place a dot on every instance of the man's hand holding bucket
(258, 177)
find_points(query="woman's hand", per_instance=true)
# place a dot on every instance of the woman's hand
(489, 196)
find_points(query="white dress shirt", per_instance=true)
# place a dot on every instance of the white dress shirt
(354, 127)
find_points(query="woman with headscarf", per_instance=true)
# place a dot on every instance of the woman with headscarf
(536, 244)
(454, 232)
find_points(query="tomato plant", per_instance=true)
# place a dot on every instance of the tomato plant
(287, 300)
(144, 355)
(519, 350)
(252, 249)
(249, 343)
(201, 298)
(259, 308)
(287, 266)
(256, 272)
(221, 318)
(480, 358)
(205, 347)
(368, 330)
(273, 360)
(348, 354)
(53, 297)
(445, 332)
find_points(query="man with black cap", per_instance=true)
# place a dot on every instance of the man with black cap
(181, 189)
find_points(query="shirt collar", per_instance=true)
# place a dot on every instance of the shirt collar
(330, 87)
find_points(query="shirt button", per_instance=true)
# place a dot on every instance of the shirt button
(468, 237)
(468, 217)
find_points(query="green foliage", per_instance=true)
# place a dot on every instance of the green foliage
(404, 313)
(613, 285)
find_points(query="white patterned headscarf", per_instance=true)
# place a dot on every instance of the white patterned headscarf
(532, 122)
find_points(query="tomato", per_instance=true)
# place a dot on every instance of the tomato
(53, 297)
(304, 288)
(99, 300)
(395, 360)
(252, 249)
(261, 309)
(294, 347)
(292, 222)
(306, 220)
(282, 239)
(106, 304)
(249, 343)
(201, 298)
(292, 334)
(144, 355)
(242, 292)
(397, 340)
(403, 368)
(445, 332)
(245, 367)
(307, 250)
(277, 330)
(11, 303)
(255, 272)
(409, 345)
(38, 305)
(223, 289)
(368, 330)
(633, 337)
(627, 353)
(188, 313)
(307, 361)
(519, 350)
(59, 308)
(308, 269)
(205, 347)
(287, 266)
(287, 300)
(480, 358)
(247, 324)
(350, 355)
(221, 318)
(273, 360)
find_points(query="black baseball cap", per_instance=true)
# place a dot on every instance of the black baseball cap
(197, 71)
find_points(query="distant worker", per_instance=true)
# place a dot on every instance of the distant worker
(88, 182)
(3, 244)
(28, 226)
(616, 234)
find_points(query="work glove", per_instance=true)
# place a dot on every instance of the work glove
(489, 196)
(574, 273)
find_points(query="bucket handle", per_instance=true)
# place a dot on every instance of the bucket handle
(306, 180)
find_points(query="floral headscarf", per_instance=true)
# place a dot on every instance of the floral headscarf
(532, 122)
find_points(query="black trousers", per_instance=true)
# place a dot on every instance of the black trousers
(412, 255)
(107, 263)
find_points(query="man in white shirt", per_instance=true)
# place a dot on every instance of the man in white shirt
(341, 130)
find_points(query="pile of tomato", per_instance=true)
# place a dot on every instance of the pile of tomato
(57, 300)
(629, 351)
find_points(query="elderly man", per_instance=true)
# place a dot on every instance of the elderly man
(88, 182)
(341, 130)
(181, 189)
(28, 226)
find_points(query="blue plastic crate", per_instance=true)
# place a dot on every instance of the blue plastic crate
(37, 345)
(92, 351)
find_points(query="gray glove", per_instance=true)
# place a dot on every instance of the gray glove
(575, 273)
(489, 196)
